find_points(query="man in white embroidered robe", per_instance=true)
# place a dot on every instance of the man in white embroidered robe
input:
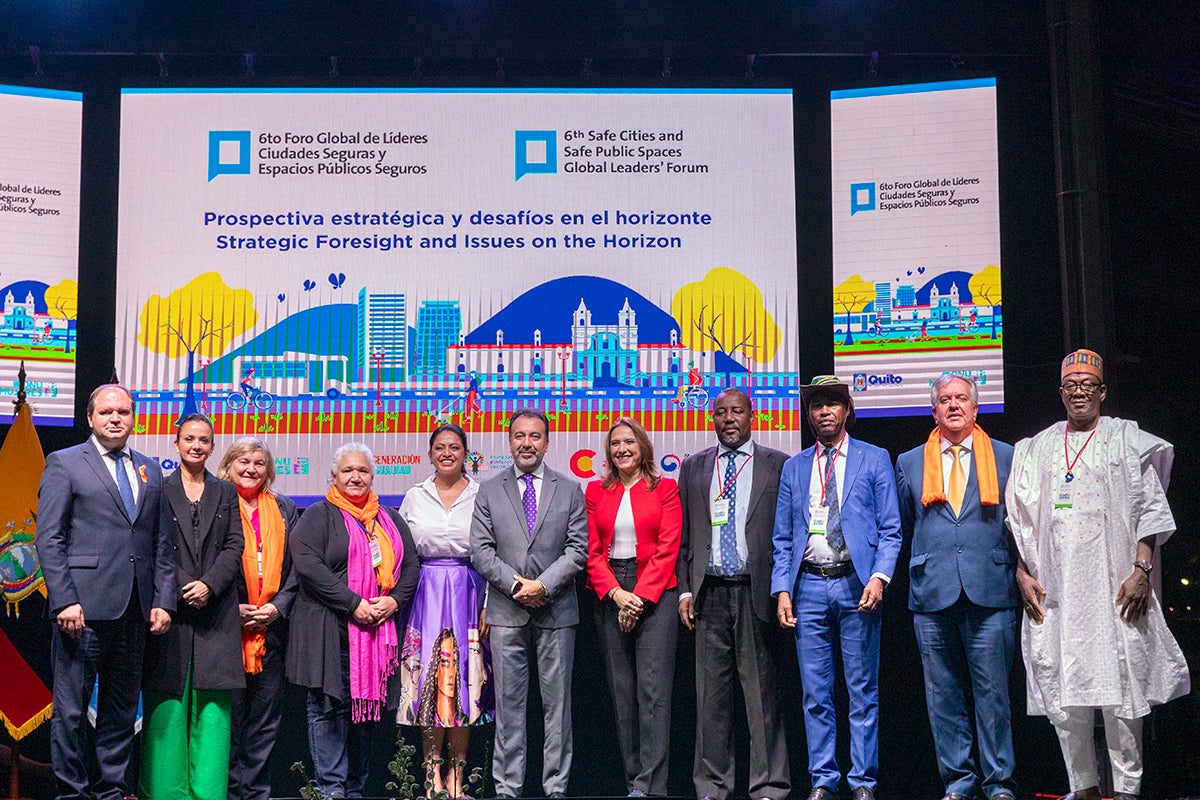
(1087, 507)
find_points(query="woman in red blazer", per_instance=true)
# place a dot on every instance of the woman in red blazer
(634, 524)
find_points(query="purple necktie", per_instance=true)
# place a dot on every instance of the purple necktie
(529, 498)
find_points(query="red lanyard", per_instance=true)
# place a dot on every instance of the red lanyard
(725, 484)
(1070, 476)
(832, 463)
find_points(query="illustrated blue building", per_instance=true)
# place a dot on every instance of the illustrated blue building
(439, 323)
(383, 335)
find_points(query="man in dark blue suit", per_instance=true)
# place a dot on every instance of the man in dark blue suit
(104, 540)
(962, 589)
(837, 536)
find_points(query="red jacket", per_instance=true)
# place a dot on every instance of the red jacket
(658, 518)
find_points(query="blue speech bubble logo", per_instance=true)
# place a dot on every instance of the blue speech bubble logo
(236, 145)
(862, 197)
(536, 153)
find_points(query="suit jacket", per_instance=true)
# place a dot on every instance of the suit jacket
(207, 639)
(320, 549)
(695, 548)
(870, 516)
(91, 552)
(972, 552)
(658, 521)
(502, 548)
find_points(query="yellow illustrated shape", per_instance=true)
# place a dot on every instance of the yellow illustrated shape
(202, 317)
(62, 300)
(724, 312)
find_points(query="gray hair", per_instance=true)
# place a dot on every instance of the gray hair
(351, 447)
(941, 381)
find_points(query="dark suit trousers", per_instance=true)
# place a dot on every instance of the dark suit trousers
(731, 646)
(111, 650)
(257, 713)
(641, 673)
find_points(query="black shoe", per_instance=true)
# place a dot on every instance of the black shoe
(557, 794)
(863, 793)
(1007, 796)
(821, 793)
(954, 796)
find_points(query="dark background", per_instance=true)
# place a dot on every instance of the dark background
(1149, 150)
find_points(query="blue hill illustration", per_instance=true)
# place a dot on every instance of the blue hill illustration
(549, 307)
(21, 289)
(943, 283)
(322, 331)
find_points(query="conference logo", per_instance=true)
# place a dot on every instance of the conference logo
(860, 381)
(228, 153)
(669, 463)
(583, 463)
(536, 153)
(862, 197)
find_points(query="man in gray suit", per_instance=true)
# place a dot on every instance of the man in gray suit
(728, 493)
(529, 539)
(104, 540)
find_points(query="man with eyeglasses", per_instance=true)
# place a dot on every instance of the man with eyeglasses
(1087, 507)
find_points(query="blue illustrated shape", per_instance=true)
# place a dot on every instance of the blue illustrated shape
(218, 167)
(309, 285)
(862, 197)
(536, 153)
(336, 279)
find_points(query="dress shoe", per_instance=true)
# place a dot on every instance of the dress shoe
(1125, 796)
(557, 794)
(821, 793)
(954, 796)
(863, 793)
(1004, 796)
(636, 793)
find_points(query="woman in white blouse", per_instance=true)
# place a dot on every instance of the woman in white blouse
(445, 665)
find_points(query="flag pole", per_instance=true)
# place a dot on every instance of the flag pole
(14, 751)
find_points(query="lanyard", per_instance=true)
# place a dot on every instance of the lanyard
(832, 463)
(727, 482)
(370, 533)
(1071, 462)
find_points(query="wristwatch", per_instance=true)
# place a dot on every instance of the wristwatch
(1144, 566)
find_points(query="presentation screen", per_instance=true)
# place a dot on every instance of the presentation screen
(916, 243)
(316, 266)
(39, 249)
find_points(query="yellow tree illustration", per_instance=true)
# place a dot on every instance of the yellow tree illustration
(724, 313)
(851, 297)
(204, 316)
(62, 302)
(985, 286)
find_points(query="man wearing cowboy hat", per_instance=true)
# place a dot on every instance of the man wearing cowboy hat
(837, 536)
(962, 590)
(1088, 508)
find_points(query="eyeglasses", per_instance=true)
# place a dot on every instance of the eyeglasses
(1088, 389)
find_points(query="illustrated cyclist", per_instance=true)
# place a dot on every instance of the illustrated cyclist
(247, 384)
(694, 379)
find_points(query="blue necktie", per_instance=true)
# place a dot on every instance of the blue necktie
(123, 486)
(833, 526)
(729, 551)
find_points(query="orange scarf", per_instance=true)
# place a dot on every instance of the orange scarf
(272, 530)
(366, 514)
(933, 487)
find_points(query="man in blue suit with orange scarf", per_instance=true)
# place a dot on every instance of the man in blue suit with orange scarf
(837, 536)
(962, 589)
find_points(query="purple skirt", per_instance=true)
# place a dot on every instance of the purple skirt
(445, 668)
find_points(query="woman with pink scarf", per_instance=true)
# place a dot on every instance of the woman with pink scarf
(358, 570)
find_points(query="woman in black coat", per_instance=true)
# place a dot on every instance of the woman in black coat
(265, 598)
(358, 571)
(190, 672)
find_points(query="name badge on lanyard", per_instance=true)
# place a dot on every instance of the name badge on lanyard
(819, 520)
(260, 568)
(720, 511)
(376, 552)
(1064, 496)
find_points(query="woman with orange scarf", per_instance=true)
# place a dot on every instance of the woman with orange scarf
(266, 594)
(358, 570)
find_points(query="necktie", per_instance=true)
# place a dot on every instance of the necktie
(123, 486)
(958, 480)
(729, 551)
(529, 498)
(833, 525)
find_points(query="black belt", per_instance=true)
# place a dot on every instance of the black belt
(838, 570)
(726, 580)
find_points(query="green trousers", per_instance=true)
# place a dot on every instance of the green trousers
(185, 744)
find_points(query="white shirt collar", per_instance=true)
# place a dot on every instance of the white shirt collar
(538, 473)
(968, 443)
